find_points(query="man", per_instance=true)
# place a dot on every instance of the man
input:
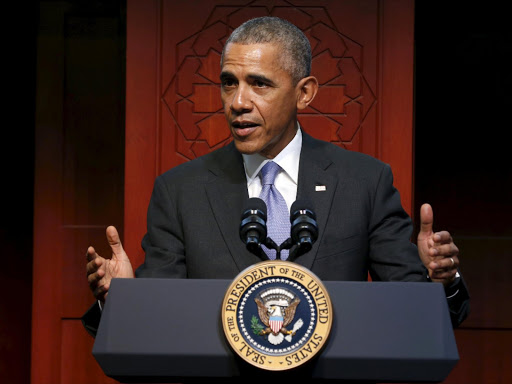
(194, 212)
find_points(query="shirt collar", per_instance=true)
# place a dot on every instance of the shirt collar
(288, 160)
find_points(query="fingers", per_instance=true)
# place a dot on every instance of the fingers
(95, 272)
(113, 236)
(426, 218)
(101, 291)
(443, 251)
(442, 237)
(91, 254)
(446, 276)
(447, 263)
(95, 261)
(95, 269)
(447, 249)
(93, 266)
(444, 269)
(115, 242)
(98, 284)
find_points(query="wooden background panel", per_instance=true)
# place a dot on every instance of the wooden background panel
(78, 365)
(48, 240)
(79, 168)
(142, 98)
(486, 263)
(485, 357)
(92, 102)
(93, 163)
(396, 96)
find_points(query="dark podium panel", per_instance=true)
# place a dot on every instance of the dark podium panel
(169, 330)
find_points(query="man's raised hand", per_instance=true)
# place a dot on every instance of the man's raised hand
(101, 271)
(437, 250)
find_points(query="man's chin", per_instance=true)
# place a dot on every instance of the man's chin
(245, 147)
(251, 147)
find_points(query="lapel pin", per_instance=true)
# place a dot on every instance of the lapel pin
(320, 188)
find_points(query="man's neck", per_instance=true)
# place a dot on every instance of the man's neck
(289, 155)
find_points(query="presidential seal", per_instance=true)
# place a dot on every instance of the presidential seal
(276, 315)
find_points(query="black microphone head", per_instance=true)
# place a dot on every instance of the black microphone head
(304, 229)
(301, 207)
(255, 204)
(253, 225)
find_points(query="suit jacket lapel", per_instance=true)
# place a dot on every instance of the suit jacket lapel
(317, 184)
(227, 194)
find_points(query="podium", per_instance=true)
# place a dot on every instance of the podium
(170, 331)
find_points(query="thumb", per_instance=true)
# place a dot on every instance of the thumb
(115, 243)
(426, 218)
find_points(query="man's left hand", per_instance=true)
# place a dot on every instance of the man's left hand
(437, 250)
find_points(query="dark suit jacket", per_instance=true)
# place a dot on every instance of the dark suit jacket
(195, 210)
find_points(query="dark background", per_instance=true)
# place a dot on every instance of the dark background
(462, 100)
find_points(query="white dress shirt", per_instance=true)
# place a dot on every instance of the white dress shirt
(286, 181)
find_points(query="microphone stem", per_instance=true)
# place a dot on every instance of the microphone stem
(287, 244)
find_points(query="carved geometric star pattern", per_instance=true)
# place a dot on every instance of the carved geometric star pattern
(192, 97)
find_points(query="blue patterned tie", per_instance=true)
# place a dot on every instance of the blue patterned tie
(278, 217)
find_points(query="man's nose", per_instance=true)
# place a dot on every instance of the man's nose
(242, 99)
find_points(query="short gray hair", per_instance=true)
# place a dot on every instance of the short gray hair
(296, 56)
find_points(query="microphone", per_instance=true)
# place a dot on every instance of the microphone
(304, 229)
(253, 227)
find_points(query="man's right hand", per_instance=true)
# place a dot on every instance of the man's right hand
(101, 271)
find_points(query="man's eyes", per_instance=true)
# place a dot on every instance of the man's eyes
(260, 84)
(228, 82)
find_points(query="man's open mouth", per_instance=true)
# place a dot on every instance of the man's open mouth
(243, 124)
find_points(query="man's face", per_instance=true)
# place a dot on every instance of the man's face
(259, 99)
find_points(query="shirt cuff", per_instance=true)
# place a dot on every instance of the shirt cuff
(452, 290)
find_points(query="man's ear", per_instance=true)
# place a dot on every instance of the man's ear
(307, 89)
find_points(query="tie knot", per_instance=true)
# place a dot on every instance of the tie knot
(269, 172)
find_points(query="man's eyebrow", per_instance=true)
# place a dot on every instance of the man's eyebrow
(225, 75)
(257, 77)
(252, 76)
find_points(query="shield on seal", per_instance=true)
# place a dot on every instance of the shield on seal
(275, 323)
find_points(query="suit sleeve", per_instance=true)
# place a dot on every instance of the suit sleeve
(458, 299)
(163, 242)
(393, 257)
(91, 319)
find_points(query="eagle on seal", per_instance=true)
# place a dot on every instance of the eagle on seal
(276, 319)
